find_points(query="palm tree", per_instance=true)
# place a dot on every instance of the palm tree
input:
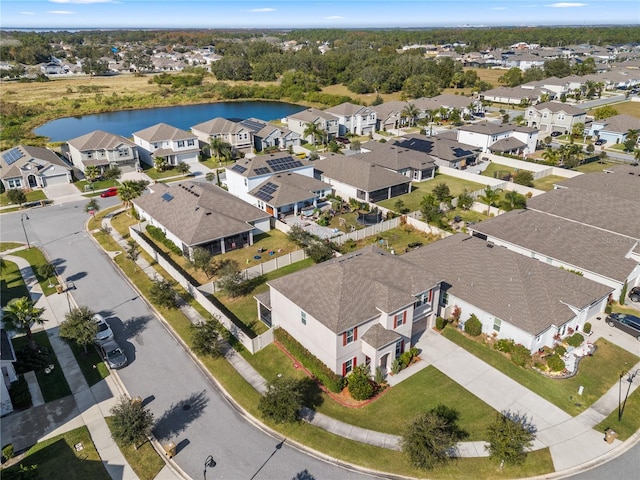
(160, 163)
(550, 155)
(219, 147)
(91, 173)
(128, 191)
(632, 134)
(92, 205)
(313, 130)
(411, 112)
(20, 315)
(489, 197)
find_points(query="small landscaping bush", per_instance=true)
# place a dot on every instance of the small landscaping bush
(396, 366)
(575, 340)
(359, 385)
(473, 326)
(333, 382)
(587, 328)
(7, 452)
(520, 355)
(560, 350)
(555, 363)
(29, 359)
(158, 235)
(19, 393)
(440, 323)
(504, 345)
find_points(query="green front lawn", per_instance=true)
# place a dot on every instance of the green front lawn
(630, 422)
(595, 166)
(11, 283)
(91, 364)
(32, 196)
(4, 246)
(53, 385)
(88, 187)
(413, 396)
(154, 174)
(546, 183)
(36, 258)
(58, 459)
(596, 374)
(420, 189)
(144, 461)
(497, 170)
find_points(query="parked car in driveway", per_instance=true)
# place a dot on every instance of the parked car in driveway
(634, 294)
(110, 192)
(600, 141)
(113, 354)
(627, 323)
(104, 330)
(556, 134)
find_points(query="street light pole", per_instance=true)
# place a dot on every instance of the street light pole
(24, 217)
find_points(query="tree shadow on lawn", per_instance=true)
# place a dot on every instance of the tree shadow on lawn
(177, 418)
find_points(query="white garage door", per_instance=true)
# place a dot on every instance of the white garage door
(55, 180)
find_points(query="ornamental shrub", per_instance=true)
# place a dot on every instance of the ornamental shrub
(560, 350)
(440, 323)
(520, 355)
(575, 340)
(587, 328)
(358, 383)
(504, 345)
(473, 326)
(555, 363)
(396, 366)
(20, 394)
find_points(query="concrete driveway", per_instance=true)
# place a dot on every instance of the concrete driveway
(56, 192)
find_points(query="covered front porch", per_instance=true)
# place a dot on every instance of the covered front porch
(381, 347)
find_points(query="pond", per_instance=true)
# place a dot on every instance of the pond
(126, 122)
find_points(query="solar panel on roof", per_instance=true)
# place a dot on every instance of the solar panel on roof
(262, 171)
(252, 125)
(263, 196)
(265, 192)
(238, 168)
(12, 155)
(167, 197)
(280, 164)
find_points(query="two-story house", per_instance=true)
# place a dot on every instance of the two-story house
(101, 149)
(299, 122)
(171, 143)
(614, 129)
(354, 119)
(235, 134)
(32, 167)
(549, 117)
(505, 138)
(269, 135)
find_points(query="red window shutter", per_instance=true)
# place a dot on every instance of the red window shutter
(430, 295)
(355, 334)
(404, 317)
(344, 339)
(344, 369)
(395, 321)
(355, 362)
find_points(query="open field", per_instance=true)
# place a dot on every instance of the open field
(365, 98)
(624, 108)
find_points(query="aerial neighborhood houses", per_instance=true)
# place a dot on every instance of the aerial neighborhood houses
(27, 167)
(549, 117)
(167, 142)
(101, 149)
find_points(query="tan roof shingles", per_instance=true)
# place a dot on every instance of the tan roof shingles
(291, 188)
(161, 132)
(527, 293)
(99, 140)
(200, 212)
(358, 173)
(347, 291)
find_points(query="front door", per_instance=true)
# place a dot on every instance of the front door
(383, 362)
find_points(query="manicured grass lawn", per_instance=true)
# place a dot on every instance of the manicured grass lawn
(630, 422)
(396, 239)
(420, 189)
(157, 175)
(85, 186)
(546, 183)
(145, 461)
(595, 166)
(11, 284)
(417, 394)
(9, 246)
(53, 385)
(91, 364)
(57, 458)
(470, 216)
(596, 374)
(32, 196)
(497, 170)
(625, 108)
(36, 258)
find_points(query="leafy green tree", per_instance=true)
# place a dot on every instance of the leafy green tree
(80, 327)
(465, 200)
(577, 130)
(210, 176)
(319, 251)
(91, 173)
(131, 422)
(232, 282)
(206, 338)
(523, 177)
(47, 270)
(299, 236)
(92, 205)
(356, 146)
(509, 437)
(219, 147)
(590, 149)
(605, 111)
(20, 314)
(442, 192)
(513, 200)
(201, 260)
(359, 384)
(183, 167)
(133, 252)
(160, 163)
(489, 197)
(512, 77)
(112, 173)
(430, 209)
(557, 67)
(15, 195)
(431, 437)
(163, 293)
(282, 400)
(473, 326)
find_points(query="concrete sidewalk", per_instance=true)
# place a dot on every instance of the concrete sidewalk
(87, 406)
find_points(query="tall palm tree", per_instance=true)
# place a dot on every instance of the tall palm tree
(20, 315)
(91, 173)
(550, 155)
(160, 163)
(489, 197)
(411, 112)
(312, 130)
(219, 147)
(129, 190)
(632, 134)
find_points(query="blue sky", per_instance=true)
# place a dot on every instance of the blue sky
(311, 13)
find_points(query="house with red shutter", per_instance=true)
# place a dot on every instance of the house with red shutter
(366, 307)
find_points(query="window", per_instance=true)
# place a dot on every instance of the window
(496, 324)
(180, 143)
(350, 336)
(400, 319)
(123, 152)
(445, 299)
(89, 154)
(425, 298)
(157, 145)
(190, 143)
(399, 348)
(348, 366)
(303, 317)
(561, 116)
(14, 182)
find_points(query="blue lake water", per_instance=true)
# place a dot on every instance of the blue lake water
(126, 122)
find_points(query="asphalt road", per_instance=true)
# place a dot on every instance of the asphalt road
(188, 408)
(624, 467)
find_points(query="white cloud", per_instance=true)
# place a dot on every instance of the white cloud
(334, 17)
(261, 10)
(26, 13)
(83, 1)
(566, 5)
(61, 12)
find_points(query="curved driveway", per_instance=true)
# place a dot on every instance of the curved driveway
(188, 408)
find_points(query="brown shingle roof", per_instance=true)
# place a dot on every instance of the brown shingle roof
(161, 132)
(99, 140)
(291, 188)
(527, 293)
(377, 336)
(218, 125)
(358, 173)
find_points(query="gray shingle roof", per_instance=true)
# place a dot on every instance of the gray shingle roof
(621, 181)
(515, 288)
(377, 336)
(310, 115)
(358, 173)
(217, 125)
(506, 144)
(559, 107)
(200, 212)
(490, 128)
(162, 131)
(291, 188)
(37, 158)
(438, 147)
(99, 140)
(347, 291)
(250, 166)
(584, 247)
(620, 124)
(394, 157)
(347, 109)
